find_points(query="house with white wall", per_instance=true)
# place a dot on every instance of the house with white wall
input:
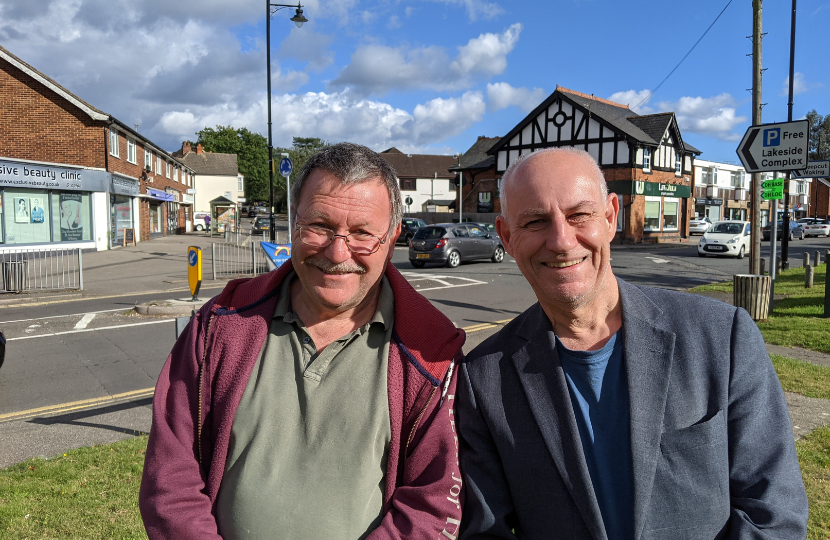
(216, 175)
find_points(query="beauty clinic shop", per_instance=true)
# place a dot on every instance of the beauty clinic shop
(44, 205)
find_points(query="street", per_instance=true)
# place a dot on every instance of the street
(80, 371)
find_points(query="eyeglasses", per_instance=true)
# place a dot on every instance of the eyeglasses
(360, 243)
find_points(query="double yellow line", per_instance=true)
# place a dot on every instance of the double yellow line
(148, 392)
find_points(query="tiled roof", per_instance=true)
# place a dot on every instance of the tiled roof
(420, 165)
(614, 113)
(392, 150)
(476, 157)
(655, 125)
(210, 163)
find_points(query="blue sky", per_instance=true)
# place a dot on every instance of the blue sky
(427, 76)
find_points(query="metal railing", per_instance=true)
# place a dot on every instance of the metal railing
(30, 270)
(231, 260)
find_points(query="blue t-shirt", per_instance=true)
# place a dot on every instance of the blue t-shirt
(599, 394)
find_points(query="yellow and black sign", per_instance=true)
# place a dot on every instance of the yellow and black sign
(194, 269)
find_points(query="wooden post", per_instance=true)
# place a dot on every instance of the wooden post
(808, 277)
(806, 262)
(751, 292)
(817, 258)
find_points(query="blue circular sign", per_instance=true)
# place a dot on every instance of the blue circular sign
(193, 258)
(286, 167)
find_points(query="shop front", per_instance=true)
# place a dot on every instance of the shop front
(651, 211)
(123, 196)
(187, 207)
(52, 205)
(158, 222)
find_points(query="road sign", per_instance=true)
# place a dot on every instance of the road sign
(286, 167)
(815, 169)
(408, 200)
(194, 269)
(775, 147)
(775, 183)
(770, 194)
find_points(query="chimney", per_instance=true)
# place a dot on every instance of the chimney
(186, 148)
(199, 149)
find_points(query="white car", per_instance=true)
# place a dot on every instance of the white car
(699, 225)
(819, 227)
(726, 238)
(199, 221)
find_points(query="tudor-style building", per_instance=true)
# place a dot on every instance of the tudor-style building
(644, 159)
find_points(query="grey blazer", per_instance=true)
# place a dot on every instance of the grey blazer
(712, 445)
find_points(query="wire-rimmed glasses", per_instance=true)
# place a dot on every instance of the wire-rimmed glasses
(360, 243)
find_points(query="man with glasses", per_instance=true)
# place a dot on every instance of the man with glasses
(314, 401)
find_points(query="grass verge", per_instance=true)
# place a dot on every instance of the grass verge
(814, 458)
(86, 493)
(797, 320)
(802, 377)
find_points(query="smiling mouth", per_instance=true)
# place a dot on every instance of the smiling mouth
(564, 264)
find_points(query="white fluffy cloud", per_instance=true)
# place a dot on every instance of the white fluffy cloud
(633, 98)
(502, 95)
(378, 69)
(714, 116)
(477, 9)
(799, 85)
(340, 116)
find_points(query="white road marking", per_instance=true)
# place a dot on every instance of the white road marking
(59, 316)
(84, 322)
(92, 329)
(658, 260)
(442, 279)
(31, 328)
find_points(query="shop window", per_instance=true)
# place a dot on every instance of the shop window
(71, 216)
(27, 216)
(646, 160)
(620, 214)
(121, 216)
(114, 143)
(670, 214)
(130, 150)
(651, 218)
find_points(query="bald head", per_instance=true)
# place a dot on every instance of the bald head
(567, 153)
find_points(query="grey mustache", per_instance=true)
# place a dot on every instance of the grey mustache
(346, 267)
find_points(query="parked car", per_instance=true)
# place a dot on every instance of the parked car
(254, 211)
(261, 224)
(489, 227)
(699, 225)
(795, 231)
(819, 227)
(806, 221)
(199, 221)
(408, 228)
(452, 243)
(726, 238)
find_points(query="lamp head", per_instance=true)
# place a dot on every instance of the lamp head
(298, 18)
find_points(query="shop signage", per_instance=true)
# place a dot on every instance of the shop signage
(654, 189)
(174, 193)
(188, 199)
(27, 175)
(710, 202)
(124, 186)
(161, 195)
(129, 236)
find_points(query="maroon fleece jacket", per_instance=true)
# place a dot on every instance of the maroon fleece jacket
(202, 382)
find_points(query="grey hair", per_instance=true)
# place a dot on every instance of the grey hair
(514, 167)
(352, 164)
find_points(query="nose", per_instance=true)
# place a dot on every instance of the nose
(561, 236)
(338, 251)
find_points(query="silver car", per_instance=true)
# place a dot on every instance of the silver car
(699, 225)
(452, 243)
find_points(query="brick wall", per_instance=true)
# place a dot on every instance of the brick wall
(39, 125)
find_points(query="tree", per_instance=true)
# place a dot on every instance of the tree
(302, 148)
(251, 151)
(819, 136)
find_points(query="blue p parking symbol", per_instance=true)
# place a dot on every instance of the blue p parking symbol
(772, 137)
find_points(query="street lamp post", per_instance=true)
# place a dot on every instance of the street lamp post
(298, 19)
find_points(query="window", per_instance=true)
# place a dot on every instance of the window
(114, 143)
(620, 214)
(240, 184)
(158, 164)
(167, 169)
(736, 179)
(176, 174)
(651, 218)
(743, 179)
(130, 150)
(27, 216)
(670, 206)
(678, 168)
(646, 160)
(707, 176)
(71, 216)
(407, 184)
(148, 160)
(802, 188)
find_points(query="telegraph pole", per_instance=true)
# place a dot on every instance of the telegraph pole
(755, 196)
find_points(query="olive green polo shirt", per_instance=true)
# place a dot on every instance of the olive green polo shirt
(310, 439)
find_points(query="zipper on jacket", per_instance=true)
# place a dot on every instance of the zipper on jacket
(201, 381)
(418, 421)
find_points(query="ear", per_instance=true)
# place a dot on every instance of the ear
(392, 239)
(504, 233)
(612, 210)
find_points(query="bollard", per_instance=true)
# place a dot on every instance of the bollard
(808, 277)
(806, 260)
(763, 266)
(817, 258)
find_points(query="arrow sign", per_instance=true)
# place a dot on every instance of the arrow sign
(771, 194)
(815, 169)
(775, 147)
(286, 167)
(776, 183)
